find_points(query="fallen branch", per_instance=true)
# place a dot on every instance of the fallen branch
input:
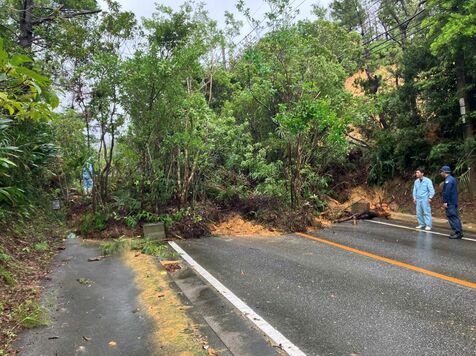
(367, 215)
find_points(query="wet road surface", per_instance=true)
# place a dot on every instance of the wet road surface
(331, 301)
(100, 316)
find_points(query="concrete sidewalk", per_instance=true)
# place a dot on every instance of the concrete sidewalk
(437, 222)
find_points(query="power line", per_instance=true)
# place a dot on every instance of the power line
(375, 49)
(365, 9)
(296, 9)
(393, 28)
(389, 39)
(387, 32)
(254, 28)
(259, 8)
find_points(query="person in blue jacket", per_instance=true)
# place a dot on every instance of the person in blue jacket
(88, 178)
(450, 202)
(423, 193)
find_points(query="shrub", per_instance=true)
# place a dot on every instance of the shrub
(92, 222)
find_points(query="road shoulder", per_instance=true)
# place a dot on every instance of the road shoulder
(124, 305)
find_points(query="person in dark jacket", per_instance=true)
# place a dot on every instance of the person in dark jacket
(450, 202)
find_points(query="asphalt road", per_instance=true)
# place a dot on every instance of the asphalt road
(87, 317)
(331, 301)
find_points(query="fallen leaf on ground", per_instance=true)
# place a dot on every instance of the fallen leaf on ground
(172, 267)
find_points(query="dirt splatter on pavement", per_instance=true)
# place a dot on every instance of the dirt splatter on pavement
(235, 225)
(175, 332)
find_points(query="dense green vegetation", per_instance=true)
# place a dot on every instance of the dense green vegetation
(175, 110)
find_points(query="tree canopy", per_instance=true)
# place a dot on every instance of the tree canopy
(174, 110)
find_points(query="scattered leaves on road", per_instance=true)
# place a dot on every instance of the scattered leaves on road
(84, 281)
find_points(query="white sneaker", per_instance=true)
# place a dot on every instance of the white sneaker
(420, 227)
(428, 228)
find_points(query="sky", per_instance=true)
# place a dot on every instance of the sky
(216, 8)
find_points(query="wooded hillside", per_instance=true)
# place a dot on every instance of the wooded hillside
(173, 110)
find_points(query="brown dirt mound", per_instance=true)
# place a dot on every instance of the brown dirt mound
(235, 225)
(380, 204)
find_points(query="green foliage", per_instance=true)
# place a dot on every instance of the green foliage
(114, 247)
(452, 25)
(144, 216)
(168, 124)
(24, 93)
(73, 151)
(41, 246)
(146, 246)
(4, 256)
(84, 281)
(152, 247)
(7, 277)
(26, 103)
(93, 222)
(31, 314)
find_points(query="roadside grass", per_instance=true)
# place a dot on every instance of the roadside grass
(27, 247)
(31, 314)
(7, 277)
(41, 246)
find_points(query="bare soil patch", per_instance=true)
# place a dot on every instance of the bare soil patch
(235, 225)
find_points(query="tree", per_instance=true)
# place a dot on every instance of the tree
(452, 30)
(168, 129)
(294, 98)
(26, 102)
(30, 20)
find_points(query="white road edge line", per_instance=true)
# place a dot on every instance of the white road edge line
(411, 228)
(262, 324)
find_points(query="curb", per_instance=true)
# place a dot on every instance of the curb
(437, 222)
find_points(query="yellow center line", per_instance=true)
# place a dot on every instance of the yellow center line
(393, 262)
